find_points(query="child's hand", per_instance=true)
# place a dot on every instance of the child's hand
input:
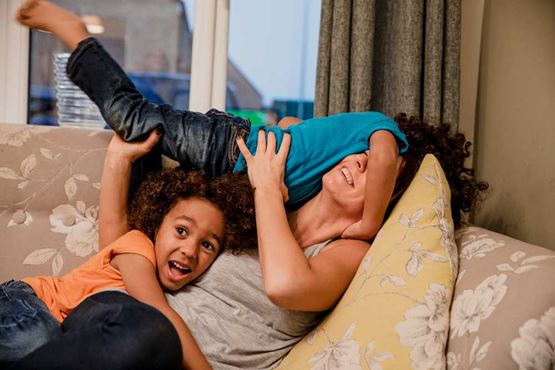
(132, 151)
(359, 231)
(266, 169)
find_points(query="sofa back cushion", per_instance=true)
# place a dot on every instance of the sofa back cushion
(50, 181)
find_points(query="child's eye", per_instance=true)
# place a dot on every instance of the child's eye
(182, 231)
(209, 246)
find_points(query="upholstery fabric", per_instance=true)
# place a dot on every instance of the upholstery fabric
(503, 312)
(50, 181)
(395, 313)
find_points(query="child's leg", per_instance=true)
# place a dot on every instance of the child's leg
(188, 137)
(110, 330)
(42, 15)
(25, 322)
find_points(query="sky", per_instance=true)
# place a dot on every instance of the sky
(266, 44)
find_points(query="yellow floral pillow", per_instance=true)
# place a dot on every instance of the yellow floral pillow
(395, 313)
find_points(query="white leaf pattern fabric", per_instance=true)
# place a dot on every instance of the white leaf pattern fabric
(493, 327)
(35, 164)
(534, 349)
(473, 306)
(425, 329)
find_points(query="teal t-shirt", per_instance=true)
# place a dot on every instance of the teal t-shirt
(318, 144)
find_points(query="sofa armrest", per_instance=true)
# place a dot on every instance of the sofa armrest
(503, 310)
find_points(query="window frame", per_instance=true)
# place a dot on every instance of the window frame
(14, 65)
(208, 73)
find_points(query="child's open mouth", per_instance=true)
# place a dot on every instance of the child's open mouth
(178, 270)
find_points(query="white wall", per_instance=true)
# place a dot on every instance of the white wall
(515, 130)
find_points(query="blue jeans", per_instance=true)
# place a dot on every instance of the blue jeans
(25, 322)
(109, 330)
(195, 140)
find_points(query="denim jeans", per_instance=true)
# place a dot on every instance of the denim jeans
(195, 140)
(109, 330)
(25, 322)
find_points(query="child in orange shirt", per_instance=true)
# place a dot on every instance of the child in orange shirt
(181, 223)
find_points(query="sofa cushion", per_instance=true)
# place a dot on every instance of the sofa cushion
(503, 312)
(50, 181)
(395, 313)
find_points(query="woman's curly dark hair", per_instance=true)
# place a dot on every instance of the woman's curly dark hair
(232, 194)
(450, 149)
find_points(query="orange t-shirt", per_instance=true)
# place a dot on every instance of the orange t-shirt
(63, 294)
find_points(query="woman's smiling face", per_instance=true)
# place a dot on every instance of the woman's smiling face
(188, 241)
(346, 182)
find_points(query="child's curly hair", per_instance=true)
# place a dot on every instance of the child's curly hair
(450, 149)
(160, 191)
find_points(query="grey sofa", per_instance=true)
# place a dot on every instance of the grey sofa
(502, 314)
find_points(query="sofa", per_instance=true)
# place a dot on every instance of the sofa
(425, 296)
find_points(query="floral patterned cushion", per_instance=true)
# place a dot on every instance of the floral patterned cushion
(503, 312)
(50, 181)
(395, 313)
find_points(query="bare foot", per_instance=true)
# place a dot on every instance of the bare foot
(43, 15)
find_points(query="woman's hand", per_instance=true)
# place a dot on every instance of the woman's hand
(266, 169)
(130, 152)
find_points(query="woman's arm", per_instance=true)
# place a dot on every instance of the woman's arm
(381, 174)
(114, 188)
(139, 277)
(290, 279)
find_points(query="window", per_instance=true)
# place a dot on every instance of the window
(272, 54)
(271, 66)
(150, 39)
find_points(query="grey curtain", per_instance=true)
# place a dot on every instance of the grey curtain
(390, 56)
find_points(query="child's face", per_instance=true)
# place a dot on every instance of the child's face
(188, 241)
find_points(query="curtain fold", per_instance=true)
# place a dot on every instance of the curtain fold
(390, 56)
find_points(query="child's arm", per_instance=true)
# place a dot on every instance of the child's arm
(139, 277)
(382, 168)
(114, 188)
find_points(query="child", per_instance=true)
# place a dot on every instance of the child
(211, 141)
(181, 220)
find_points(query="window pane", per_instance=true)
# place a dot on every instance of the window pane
(151, 39)
(273, 47)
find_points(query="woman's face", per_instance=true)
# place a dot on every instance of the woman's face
(188, 241)
(346, 182)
